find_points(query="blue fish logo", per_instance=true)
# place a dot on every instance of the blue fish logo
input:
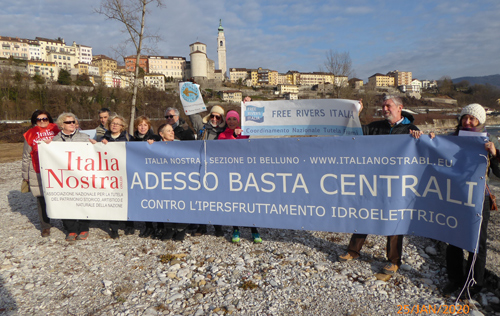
(254, 114)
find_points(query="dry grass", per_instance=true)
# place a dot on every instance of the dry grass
(10, 152)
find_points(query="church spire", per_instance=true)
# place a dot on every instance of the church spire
(221, 29)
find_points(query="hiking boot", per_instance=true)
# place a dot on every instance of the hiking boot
(236, 236)
(82, 236)
(114, 234)
(256, 238)
(180, 235)
(450, 288)
(201, 230)
(390, 269)
(71, 237)
(167, 234)
(149, 231)
(129, 231)
(158, 233)
(347, 257)
(46, 232)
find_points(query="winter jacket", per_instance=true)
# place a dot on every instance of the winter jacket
(149, 135)
(75, 137)
(123, 137)
(182, 131)
(99, 132)
(205, 131)
(229, 134)
(383, 127)
(30, 156)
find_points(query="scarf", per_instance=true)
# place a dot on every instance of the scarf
(36, 134)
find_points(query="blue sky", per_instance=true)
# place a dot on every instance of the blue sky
(430, 38)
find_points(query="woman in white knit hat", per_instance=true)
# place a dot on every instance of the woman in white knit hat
(209, 128)
(473, 118)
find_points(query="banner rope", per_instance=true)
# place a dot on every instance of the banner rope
(470, 281)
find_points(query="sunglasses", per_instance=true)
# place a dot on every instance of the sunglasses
(169, 116)
(215, 116)
(40, 119)
(69, 122)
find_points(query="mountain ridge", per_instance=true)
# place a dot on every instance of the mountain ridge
(493, 80)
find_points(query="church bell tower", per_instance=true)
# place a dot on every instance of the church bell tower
(221, 50)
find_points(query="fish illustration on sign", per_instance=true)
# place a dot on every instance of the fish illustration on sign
(187, 92)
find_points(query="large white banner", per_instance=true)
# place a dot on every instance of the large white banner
(82, 180)
(301, 117)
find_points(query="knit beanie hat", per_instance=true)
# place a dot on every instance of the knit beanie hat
(217, 109)
(233, 113)
(476, 110)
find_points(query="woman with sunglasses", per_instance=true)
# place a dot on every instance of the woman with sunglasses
(117, 132)
(67, 122)
(43, 129)
(208, 128)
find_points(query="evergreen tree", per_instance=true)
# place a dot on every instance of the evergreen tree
(64, 77)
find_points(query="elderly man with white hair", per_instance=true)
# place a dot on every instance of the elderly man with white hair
(395, 122)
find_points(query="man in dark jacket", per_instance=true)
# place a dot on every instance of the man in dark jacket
(181, 129)
(104, 115)
(396, 122)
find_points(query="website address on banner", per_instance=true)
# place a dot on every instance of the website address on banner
(381, 161)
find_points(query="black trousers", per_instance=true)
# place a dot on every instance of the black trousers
(254, 230)
(455, 256)
(159, 225)
(76, 225)
(114, 225)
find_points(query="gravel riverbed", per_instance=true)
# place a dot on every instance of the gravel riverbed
(291, 273)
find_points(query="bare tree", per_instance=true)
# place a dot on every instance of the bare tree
(339, 65)
(132, 14)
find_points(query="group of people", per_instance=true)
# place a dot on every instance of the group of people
(220, 125)
(113, 128)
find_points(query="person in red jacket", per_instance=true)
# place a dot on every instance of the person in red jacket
(43, 129)
(233, 131)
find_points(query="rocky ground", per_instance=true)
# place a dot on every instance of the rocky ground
(290, 273)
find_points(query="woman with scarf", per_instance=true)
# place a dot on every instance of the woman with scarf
(43, 129)
(117, 132)
(473, 118)
(144, 133)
